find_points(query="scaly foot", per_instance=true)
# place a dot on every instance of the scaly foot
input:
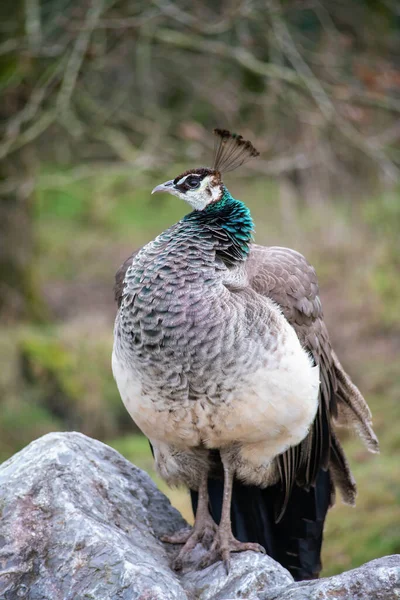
(203, 532)
(224, 543)
(180, 537)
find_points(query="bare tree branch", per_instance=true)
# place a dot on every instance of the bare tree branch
(326, 106)
(32, 23)
(77, 56)
(29, 135)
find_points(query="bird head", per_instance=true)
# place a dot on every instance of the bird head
(204, 186)
(198, 187)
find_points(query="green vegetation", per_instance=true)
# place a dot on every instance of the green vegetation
(57, 376)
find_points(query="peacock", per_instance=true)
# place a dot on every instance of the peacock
(223, 360)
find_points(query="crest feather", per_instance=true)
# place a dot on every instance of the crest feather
(231, 151)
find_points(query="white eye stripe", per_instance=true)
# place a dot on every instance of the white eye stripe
(185, 177)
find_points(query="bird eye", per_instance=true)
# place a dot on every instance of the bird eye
(193, 182)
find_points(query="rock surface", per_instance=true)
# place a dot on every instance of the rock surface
(78, 521)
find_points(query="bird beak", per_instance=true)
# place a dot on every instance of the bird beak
(168, 186)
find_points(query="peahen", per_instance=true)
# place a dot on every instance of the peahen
(223, 360)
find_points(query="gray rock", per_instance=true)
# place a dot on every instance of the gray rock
(251, 576)
(376, 580)
(78, 521)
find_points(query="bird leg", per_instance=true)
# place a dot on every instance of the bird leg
(224, 541)
(203, 530)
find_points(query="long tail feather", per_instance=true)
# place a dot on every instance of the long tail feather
(341, 474)
(353, 411)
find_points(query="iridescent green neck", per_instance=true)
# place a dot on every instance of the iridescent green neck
(230, 222)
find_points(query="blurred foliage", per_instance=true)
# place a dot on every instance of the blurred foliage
(97, 83)
(316, 84)
(102, 100)
(384, 220)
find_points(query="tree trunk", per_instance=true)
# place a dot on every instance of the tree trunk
(19, 290)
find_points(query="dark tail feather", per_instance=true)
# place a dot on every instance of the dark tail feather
(295, 542)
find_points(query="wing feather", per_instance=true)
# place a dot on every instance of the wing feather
(286, 277)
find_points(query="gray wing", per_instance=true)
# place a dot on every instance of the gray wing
(286, 277)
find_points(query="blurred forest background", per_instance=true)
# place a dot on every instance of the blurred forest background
(103, 99)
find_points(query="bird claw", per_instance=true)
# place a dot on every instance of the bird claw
(204, 533)
(227, 565)
(219, 541)
(222, 547)
(180, 537)
(177, 564)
